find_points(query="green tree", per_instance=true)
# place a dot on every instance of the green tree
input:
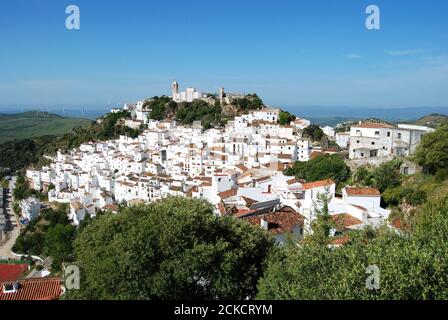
(320, 168)
(387, 175)
(313, 132)
(432, 153)
(322, 224)
(409, 269)
(58, 243)
(411, 265)
(4, 184)
(172, 249)
(285, 117)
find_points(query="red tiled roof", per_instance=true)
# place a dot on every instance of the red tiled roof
(12, 272)
(397, 222)
(344, 220)
(34, 289)
(340, 240)
(228, 193)
(239, 213)
(317, 184)
(372, 125)
(242, 167)
(362, 192)
(280, 221)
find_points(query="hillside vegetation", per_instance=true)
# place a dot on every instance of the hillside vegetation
(210, 114)
(433, 120)
(19, 154)
(35, 124)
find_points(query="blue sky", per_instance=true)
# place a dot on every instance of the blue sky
(292, 53)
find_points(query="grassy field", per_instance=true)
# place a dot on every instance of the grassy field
(33, 124)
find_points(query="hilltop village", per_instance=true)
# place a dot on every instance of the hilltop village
(238, 168)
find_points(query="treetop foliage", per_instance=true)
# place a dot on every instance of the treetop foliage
(172, 249)
(411, 266)
(432, 153)
(320, 168)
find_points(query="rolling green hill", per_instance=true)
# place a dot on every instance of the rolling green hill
(432, 120)
(35, 124)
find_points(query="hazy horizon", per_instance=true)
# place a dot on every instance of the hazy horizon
(326, 115)
(303, 53)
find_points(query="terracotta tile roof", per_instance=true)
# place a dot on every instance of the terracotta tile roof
(240, 213)
(345, 220)
(397, 222)
(12, 272)
(280, 221)
(353, 192)
(265, 178)
(292, 181)
(339, 241)
(34, 289)
(318, 184)
(372, 125)
(228, 193)
(241, 167)
(249, 201)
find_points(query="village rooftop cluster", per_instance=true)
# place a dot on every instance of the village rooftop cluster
(239, 169)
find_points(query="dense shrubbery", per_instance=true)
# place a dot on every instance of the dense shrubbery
(320, 168)
(188, 112)
(4, 183)
(198, 110)
(432, 153)
(285, 118)
(19, 154)
(50, 234)
(249, 102)
(23, 191)
(411, 266)
(109, 128)
(313, 132)
(173, 249)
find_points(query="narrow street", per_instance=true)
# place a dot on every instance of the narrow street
(12, 223)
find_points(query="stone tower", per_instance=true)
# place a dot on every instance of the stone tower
(175, 89)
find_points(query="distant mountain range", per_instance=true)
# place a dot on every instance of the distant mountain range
(34, 124)
(334, 115)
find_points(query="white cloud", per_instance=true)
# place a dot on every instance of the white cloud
(353, 56)
(410, 52)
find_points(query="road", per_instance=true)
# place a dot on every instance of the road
(14, 229)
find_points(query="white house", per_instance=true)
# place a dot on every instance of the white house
(329, 131)
(343, 139)
(30, 208)
(371, 140)
(267, 114)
